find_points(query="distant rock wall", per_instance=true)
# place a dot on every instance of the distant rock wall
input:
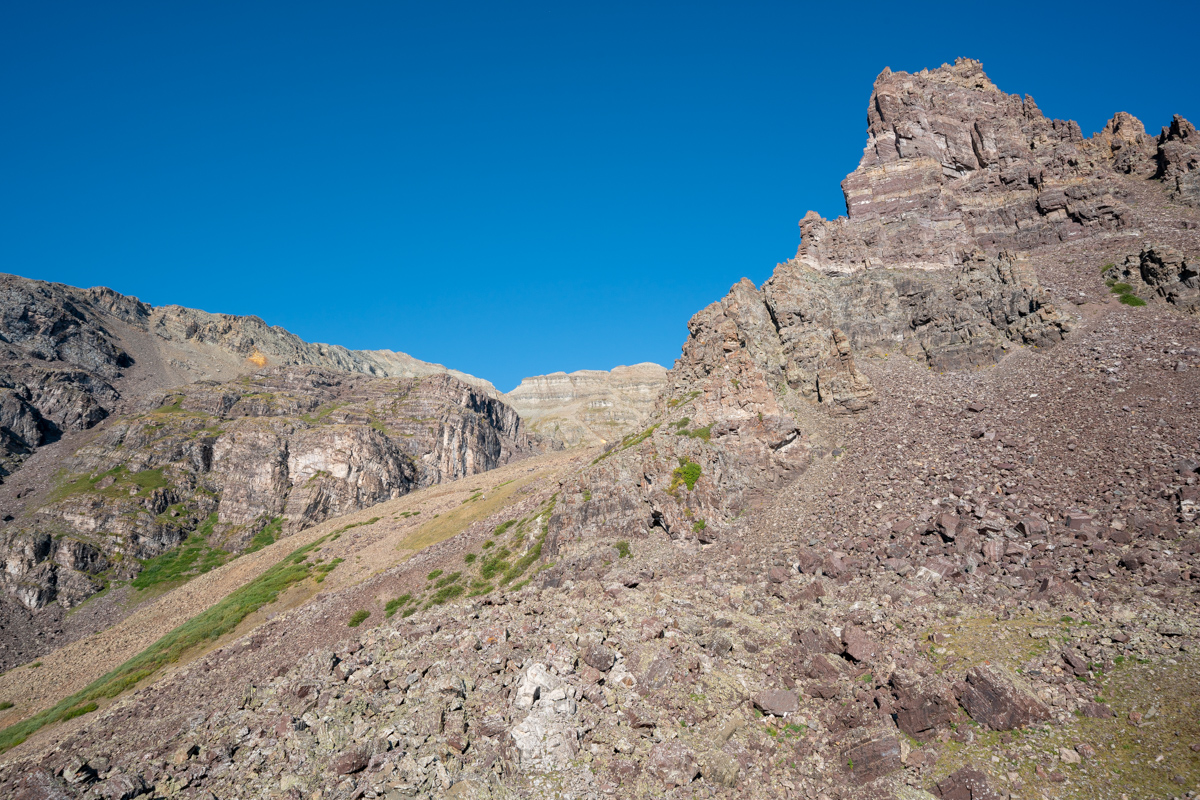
(589, 406)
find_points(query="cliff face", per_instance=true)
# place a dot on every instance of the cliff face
(958, 183)
(279, 450)
(68, 356)
(952, 164)
(589, 407)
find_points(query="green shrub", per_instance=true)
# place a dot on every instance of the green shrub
(699, 525)
(470, 558)
(687, 473)
(504, 526)
(433, 575)
(445, 594)
(5, 706)
(358, 618)
(323, 570)
(491, 567)
(622, 549)
(1130, 299)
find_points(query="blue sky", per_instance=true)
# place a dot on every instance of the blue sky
(506, 188)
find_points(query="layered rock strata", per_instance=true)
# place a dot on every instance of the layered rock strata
(589, 407)
(952, 164)
(282, 449)
(67, 356)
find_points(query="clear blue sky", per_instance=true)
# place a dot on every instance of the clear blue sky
(505, 188)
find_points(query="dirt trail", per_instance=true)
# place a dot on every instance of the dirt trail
(405, 526)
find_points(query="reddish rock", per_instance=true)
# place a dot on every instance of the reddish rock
(599, 657)
(778, 574)
(351, 761)
(673, 763)
(777, 702)
(991, 698)
(966, 784)
(873, 758)
(859, 646)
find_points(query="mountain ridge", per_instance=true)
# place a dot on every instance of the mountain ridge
(917, 517)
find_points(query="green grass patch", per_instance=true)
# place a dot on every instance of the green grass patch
(122, 481)
(358, 618)
(408, 612)
(503, 527)
(323, 570)
(433, 575)
(446, 594)
(699, 525)
(267, 536)
(704, 433)
(449, 579)
(396, 603)
(207, 626)
(479, 588)
(687, 398)
(193, 557)
(1130, 299)
(5, 706)
(470, 558)
(353, 525)
(496, 565)
(79, 711)
(622, 549)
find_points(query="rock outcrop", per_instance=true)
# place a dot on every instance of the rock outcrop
(1159, 272)
(589, 407)
(953, 164)
(276, 451)
(1178, 159)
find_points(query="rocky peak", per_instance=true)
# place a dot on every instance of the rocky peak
(953, 164)
(1178, 160)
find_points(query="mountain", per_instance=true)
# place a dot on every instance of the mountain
(589, 407)
(915, 518)
(69, 355)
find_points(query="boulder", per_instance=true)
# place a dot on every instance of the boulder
(777, 702)
(673, 763)
(992, 698)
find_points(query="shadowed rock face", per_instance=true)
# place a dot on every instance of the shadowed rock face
(294, 444)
